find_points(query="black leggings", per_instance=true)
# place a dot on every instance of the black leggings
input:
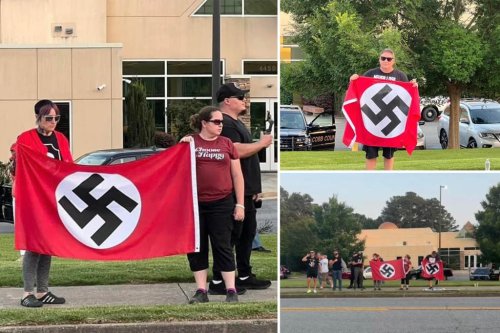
(216, 223)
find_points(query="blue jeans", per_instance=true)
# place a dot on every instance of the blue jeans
(337, 275)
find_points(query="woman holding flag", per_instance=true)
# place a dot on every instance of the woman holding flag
(220, 200)
(46, 140)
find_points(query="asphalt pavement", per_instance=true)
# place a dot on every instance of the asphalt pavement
(388, 315)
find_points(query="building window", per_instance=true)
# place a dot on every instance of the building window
(404, 243)
(259, 67)
(290, 51)
(241, 7)
(170, 80)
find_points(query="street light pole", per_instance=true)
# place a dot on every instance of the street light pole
(441, 187)
(215, 49)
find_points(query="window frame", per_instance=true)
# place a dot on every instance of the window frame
(233, 15)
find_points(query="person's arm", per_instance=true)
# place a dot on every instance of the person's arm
(239, 189)
(248, 149)
(354, 77)
(305, 257)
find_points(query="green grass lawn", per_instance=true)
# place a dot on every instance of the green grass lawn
(66, 272)
(130, 314)
(458, 159)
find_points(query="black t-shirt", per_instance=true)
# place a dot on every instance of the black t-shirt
(235, 130)
(52, 146)
(312, 264)
(395, 75)
(337, 266)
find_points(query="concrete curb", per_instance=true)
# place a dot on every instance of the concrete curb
(236, 326)
(416, 292)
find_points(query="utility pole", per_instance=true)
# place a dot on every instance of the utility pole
(215, 50)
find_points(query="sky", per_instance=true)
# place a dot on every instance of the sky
(368, 192)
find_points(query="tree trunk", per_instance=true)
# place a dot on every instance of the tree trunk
(454, 91)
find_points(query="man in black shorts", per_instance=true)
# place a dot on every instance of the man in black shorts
(312, 263)
(386, 71)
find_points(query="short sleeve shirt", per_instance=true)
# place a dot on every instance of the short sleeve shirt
(213, 167)
(395, 75)
(312, 264)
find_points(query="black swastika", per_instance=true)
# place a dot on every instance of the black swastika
(387, 270)
(386, 110)
(97, 207)
(432, 268)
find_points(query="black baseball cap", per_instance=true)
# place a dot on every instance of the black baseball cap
(229, 90)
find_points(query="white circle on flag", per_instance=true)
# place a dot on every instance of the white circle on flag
(107, 212)
(398, 94)
(387, 270)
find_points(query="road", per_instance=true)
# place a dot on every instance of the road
(387, 315)
(429, 129)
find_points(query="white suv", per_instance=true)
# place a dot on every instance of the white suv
(479, 124)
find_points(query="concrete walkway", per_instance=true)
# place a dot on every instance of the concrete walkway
(142, 294)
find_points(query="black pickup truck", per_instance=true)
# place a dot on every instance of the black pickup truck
(297, 134)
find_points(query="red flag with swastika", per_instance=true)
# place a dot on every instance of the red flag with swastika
(432, 268)
(387, 270)
(137, 210)
(381, 113)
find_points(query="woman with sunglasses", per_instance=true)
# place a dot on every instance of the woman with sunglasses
(385, 71)
(45, 139)
(220, 200)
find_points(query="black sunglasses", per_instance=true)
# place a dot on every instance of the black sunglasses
(216, 121)
(386, 58)
(240, 97)
(50, 118)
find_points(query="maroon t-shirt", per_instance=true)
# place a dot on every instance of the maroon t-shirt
(213, 167)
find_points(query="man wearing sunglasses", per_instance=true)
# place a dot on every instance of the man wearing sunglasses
(232, 103)
(386, 71)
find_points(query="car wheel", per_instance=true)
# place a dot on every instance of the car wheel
(429, 114)
(472, 143)
(443, 139)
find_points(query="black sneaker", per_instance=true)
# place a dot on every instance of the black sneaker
(200, 296)
(252, 282)
(220, 289)
(31, 301)
(50, 298)
(261, 249)
(231, 297)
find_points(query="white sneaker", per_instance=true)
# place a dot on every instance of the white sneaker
(315, 291)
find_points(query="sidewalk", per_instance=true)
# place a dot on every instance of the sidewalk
(269, 185)
(142, 294)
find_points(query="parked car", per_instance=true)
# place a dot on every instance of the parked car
(432, 107)
(297, 134)
(346, 275)
(415, 273)
(100, 157)
(484, 273)
(284, 272)
(479, 124)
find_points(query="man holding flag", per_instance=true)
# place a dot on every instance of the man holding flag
(432, 268)
(381, 111)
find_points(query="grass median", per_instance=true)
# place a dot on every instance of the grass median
(456, 159)
(66, 272)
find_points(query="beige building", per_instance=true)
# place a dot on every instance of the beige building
(458, 249)
(82, 53)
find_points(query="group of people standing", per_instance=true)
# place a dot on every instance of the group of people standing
(320, 270)
(229, 188)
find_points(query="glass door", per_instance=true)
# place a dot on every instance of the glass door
(260, 110)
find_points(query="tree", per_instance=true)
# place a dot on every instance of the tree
(449, 46)
(413, 211)
(140, 117)
(368, 223)
(337, 227)
(179, 112)
(488, 231)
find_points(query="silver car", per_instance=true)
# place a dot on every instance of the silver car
(479, 124)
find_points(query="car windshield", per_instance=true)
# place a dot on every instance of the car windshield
(481, 271)
(291, 120)
(485, 116)
(91, 159)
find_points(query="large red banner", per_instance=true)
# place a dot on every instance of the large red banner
(137, 210)
(387, 270)
(381, 113)
(432, 268)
